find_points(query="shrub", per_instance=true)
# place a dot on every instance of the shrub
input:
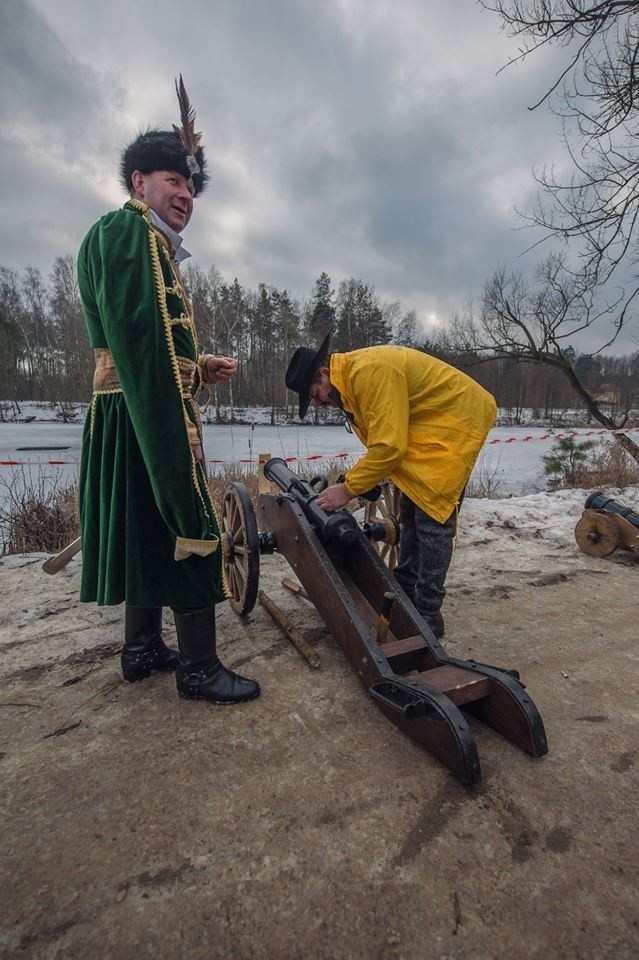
(37, 514)
(565, 464)
(589, 464)
(485, 481)
(66, 412)
(610, 466)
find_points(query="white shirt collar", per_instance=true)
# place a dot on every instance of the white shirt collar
(179, 252)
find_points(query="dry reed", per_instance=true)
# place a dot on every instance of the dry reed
(38, 514)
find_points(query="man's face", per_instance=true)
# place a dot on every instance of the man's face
(322, 393)
(168, 194)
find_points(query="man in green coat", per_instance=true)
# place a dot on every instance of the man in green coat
(150, 533)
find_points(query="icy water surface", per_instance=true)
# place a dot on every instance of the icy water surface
(51, 450)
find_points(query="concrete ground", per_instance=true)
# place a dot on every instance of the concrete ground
(303, 824)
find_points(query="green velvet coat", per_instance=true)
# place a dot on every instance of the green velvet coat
(141, 491)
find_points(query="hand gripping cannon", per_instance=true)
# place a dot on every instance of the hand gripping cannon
(403, 667)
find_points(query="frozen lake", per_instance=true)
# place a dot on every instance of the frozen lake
(51, 450)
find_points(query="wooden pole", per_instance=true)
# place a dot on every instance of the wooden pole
(384, 617)
(291, 632)
(54, 564)
(295, 588)
(263, 485)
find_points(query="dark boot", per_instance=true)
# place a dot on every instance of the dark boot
(200, 675)
(436, 623)
(144, 649)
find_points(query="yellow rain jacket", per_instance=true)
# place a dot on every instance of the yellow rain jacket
(422, 421)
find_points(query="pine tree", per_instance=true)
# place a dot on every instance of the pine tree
(321, 319)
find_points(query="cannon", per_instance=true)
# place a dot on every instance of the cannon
(429, 695)
(605, 525)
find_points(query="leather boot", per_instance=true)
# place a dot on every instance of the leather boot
(436, 623)
(144, 649)
(200, 675)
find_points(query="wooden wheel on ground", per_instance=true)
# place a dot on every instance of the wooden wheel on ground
(240, 547)
(385, 511)
(597, 533)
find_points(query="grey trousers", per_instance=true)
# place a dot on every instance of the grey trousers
(425, 552)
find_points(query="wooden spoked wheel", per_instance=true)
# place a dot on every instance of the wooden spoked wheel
(240, 547)
(597, 533)
(385, 511)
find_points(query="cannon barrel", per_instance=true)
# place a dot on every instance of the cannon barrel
(597, 501)
(339, 527)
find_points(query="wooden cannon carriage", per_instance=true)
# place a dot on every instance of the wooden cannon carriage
(606, 525)
(428, 694)
(402, 666)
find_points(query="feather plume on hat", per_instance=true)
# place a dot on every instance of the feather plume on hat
(190, 139)
(179, 149)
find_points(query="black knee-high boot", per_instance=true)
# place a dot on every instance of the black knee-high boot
(200, 675)
(144, 649)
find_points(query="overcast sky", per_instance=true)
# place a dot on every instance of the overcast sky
(366, 138)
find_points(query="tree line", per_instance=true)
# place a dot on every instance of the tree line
(45, 353)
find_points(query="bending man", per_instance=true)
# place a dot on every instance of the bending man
(423, 423)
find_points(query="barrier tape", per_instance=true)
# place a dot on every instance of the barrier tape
(557, 436)
(36, 463)
(54, 463)
(338, 456)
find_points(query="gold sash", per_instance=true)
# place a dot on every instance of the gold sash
(105, 377)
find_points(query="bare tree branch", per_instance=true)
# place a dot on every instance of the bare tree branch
(595, 94)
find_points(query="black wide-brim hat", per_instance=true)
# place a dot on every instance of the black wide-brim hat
(302, 369)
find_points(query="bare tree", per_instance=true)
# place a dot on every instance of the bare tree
(10, 338)
(595, 94)
(534, 323)
(204, 291)
(408, 332)
(72, 343)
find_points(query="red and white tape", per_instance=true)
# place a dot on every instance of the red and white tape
(338, 456)
(557, 436)
(55, 463)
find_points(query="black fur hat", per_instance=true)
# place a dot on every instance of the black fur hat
(161, 150)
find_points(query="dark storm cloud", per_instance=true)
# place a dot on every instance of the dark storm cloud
(407, 173)
(55, 135)
(362, 137)
(56, 104)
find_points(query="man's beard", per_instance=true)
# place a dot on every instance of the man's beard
(335, 397)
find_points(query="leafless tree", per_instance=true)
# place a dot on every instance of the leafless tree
(534, 323)
(596, 95)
